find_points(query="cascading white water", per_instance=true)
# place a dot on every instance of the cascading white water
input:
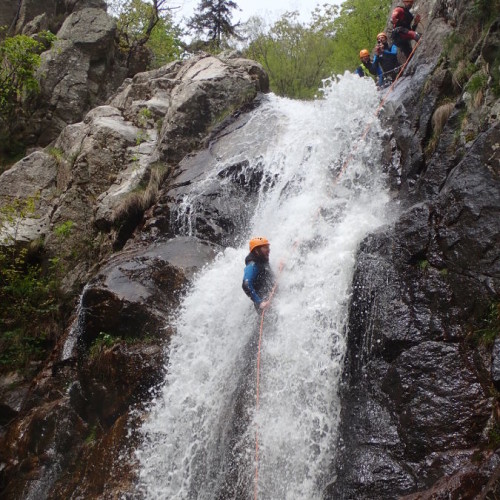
(199, 437)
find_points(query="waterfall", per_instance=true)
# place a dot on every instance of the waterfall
(199, 437)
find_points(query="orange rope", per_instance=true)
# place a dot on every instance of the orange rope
(271, 295)
(368, 127)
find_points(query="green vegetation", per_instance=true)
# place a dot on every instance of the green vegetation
(144, 115)
(101, 343)
(28, 297)
(146, 25)
(19, 60)
(477, 83)
(298, 56)
(494, 437)
(213, 18)
(142, 136)
(423, 264)
(490, 326)
(92, 436)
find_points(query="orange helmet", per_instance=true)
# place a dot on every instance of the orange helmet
(259, 241)
(382, 35)
(364, 53)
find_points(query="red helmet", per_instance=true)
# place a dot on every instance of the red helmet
(397, 14)
(364, 53)
(259, 241)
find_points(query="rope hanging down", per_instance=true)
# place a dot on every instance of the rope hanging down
(281, 266)
(271, 295)
(369, 125)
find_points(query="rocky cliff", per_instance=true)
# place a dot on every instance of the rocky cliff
(420, 403)
(420, 393)
(113, 180)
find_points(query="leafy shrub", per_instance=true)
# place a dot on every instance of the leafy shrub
(29, 314)
(19, 60)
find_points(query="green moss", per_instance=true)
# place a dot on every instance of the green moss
(494, 437)
(56, 153)
(490, 326)
(477, 82)
(102, 342)
(142, 136)
(423, 264)
(92, 436)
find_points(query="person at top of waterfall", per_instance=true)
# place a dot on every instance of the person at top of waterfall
(404, 26)
(386, 58)
(366, 68)
(258, 278)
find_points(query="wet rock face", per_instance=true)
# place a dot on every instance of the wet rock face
(133, 295)
(416, 385)
(418, 405)
(113, 355)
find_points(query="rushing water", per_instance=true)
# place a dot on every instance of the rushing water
(199, 439)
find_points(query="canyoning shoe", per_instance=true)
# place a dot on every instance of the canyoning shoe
(418, 36)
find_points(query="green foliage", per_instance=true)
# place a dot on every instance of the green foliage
(423, 264)
(494, 437)
(103, 341)
(28, 297)
(142, 136)
(165, 43)
(56, 153)
(147, 24)
(298, 56)
(477, 83)
(213, 18)
(92, 436)
(294, 55)
(485, 11)
(63, 230)
(18, 348)
(490, 326)
(144, 116)
(19, 60)
(356, 28)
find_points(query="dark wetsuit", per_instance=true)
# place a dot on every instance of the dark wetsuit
(388, 62)
(258, 279)
(368, 69)
(403, 29)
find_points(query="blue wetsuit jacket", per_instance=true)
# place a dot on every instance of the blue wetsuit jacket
(258, 279)
(388, 61)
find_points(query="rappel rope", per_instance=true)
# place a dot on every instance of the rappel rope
(271, 295)
(377, 111)
(281, 266)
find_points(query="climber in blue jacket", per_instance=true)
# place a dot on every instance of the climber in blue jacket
(386, 58)
(258, 279)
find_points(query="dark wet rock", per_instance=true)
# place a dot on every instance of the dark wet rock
(8, 12)
(104, 470)
(13, 390)
(479, 478)
(418, 287)
(418, 405)
(495, 363)
(134, 293)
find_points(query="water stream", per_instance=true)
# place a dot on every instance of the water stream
(199, 438)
